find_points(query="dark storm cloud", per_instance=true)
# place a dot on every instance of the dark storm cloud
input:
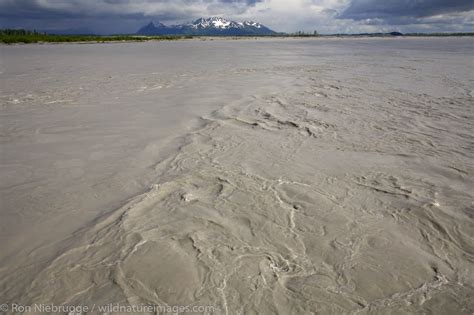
(36, 9)
(104, 16)
(393, 10)
(329, 16)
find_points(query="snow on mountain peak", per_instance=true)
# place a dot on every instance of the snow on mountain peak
(252, 23)
(216, 26)
(221, 23)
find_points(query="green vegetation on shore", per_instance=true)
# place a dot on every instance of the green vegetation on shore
(12, 36)
(9, 36)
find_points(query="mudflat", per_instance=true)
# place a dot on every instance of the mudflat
(269, 176)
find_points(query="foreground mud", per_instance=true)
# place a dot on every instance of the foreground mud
(321, 177)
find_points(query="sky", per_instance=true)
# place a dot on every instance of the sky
(325, 16)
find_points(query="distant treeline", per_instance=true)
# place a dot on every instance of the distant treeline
(11, 36)
(439, 34)
(393, 34)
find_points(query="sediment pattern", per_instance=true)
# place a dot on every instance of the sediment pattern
(342, 192)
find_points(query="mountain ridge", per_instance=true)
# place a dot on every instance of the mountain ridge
(214, 26)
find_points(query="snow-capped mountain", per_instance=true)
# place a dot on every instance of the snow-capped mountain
(215, 26)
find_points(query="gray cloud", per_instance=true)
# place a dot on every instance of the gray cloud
(111, 16)
(394, 9)
(47, 9)
(327, 16)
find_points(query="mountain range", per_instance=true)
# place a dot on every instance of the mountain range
(215, 26)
